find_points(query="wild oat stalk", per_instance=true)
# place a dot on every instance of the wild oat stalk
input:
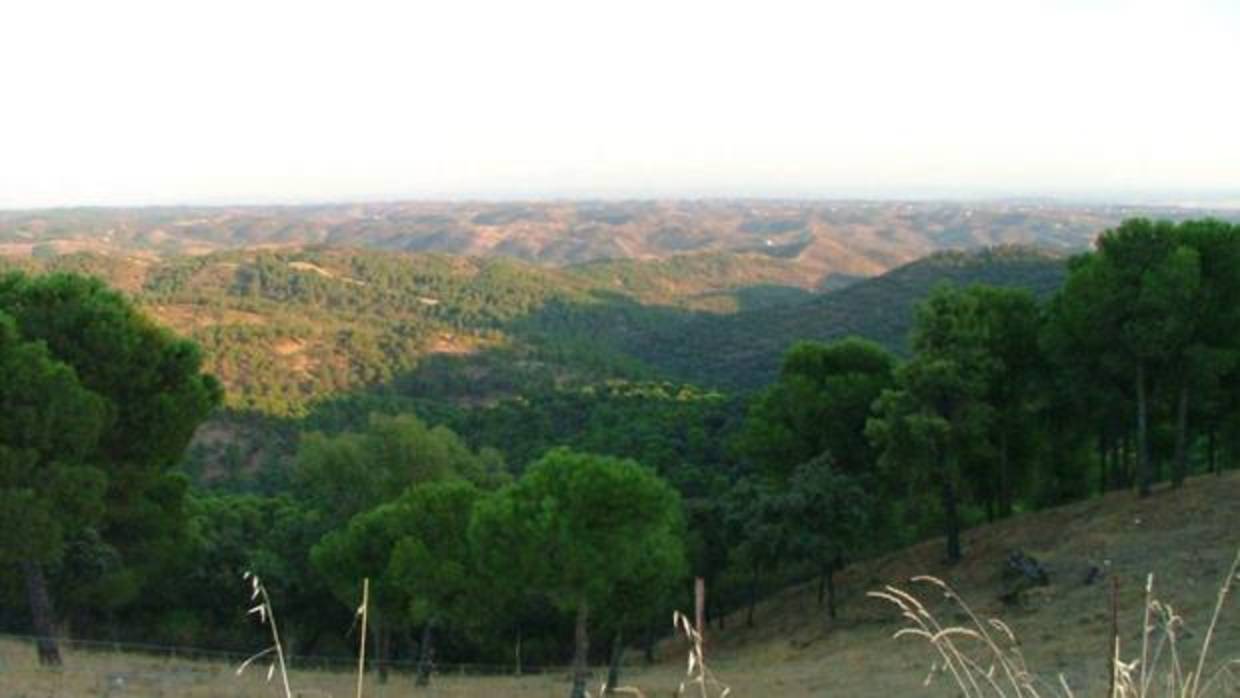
(363, 612)
(998, 670)
(603, 690)
(1162, 628)
(266, 615)
(697, 672)
(983, 659)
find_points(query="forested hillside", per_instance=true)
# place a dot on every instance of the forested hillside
(742, 351)
(284, 329)
(327, 336)
(517, 455)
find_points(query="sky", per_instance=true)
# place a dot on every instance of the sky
(180, 101)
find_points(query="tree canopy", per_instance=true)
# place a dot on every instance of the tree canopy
(818, 406)
(577, 526)
(103, 403)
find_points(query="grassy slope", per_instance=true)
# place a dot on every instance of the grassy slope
(1186, 537)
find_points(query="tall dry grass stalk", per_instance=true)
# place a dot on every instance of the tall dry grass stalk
(1161, 629)
(697, 673)
(363, 613)
(603, 690)
(266, 616)
(983, 659)
(999, 669)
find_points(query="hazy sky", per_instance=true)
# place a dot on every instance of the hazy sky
(123, 102)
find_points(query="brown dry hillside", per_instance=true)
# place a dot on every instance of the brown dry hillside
(828, 241)
(1187, 538)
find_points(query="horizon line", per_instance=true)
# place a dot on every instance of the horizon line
(1187, 199)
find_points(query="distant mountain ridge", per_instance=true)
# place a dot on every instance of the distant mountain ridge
(817, 243)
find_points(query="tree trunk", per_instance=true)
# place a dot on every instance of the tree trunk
(835, 564)
(1181, 439)
(383, 643)
(1129, 468)
(823, 571)
(951, 515)
(1005, 478)
(712, 611)
(753, 597)
(652, 636)
(315, 635)
(613, 669)
(1115, 463)
(41, 613)
(581, 651)
(1145, 474)
(426, 654)
(1119, 472)
(1104, 461)
(1212, 452)
(516, 652)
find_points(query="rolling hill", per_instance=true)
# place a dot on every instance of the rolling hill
(284, 328)
(326, 334)
(814, 243)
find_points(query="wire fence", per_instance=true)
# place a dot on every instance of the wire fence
(116, 670)
(309, 662)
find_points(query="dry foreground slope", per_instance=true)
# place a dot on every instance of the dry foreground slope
(1186, 537)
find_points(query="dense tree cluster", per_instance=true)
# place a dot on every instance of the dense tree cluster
(1002, 399)
(97, 404)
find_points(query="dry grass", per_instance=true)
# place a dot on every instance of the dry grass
(697, 674)
(1178, 676)
(1186, 536)
(267, 616)
(116, 674)
(983, 657)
